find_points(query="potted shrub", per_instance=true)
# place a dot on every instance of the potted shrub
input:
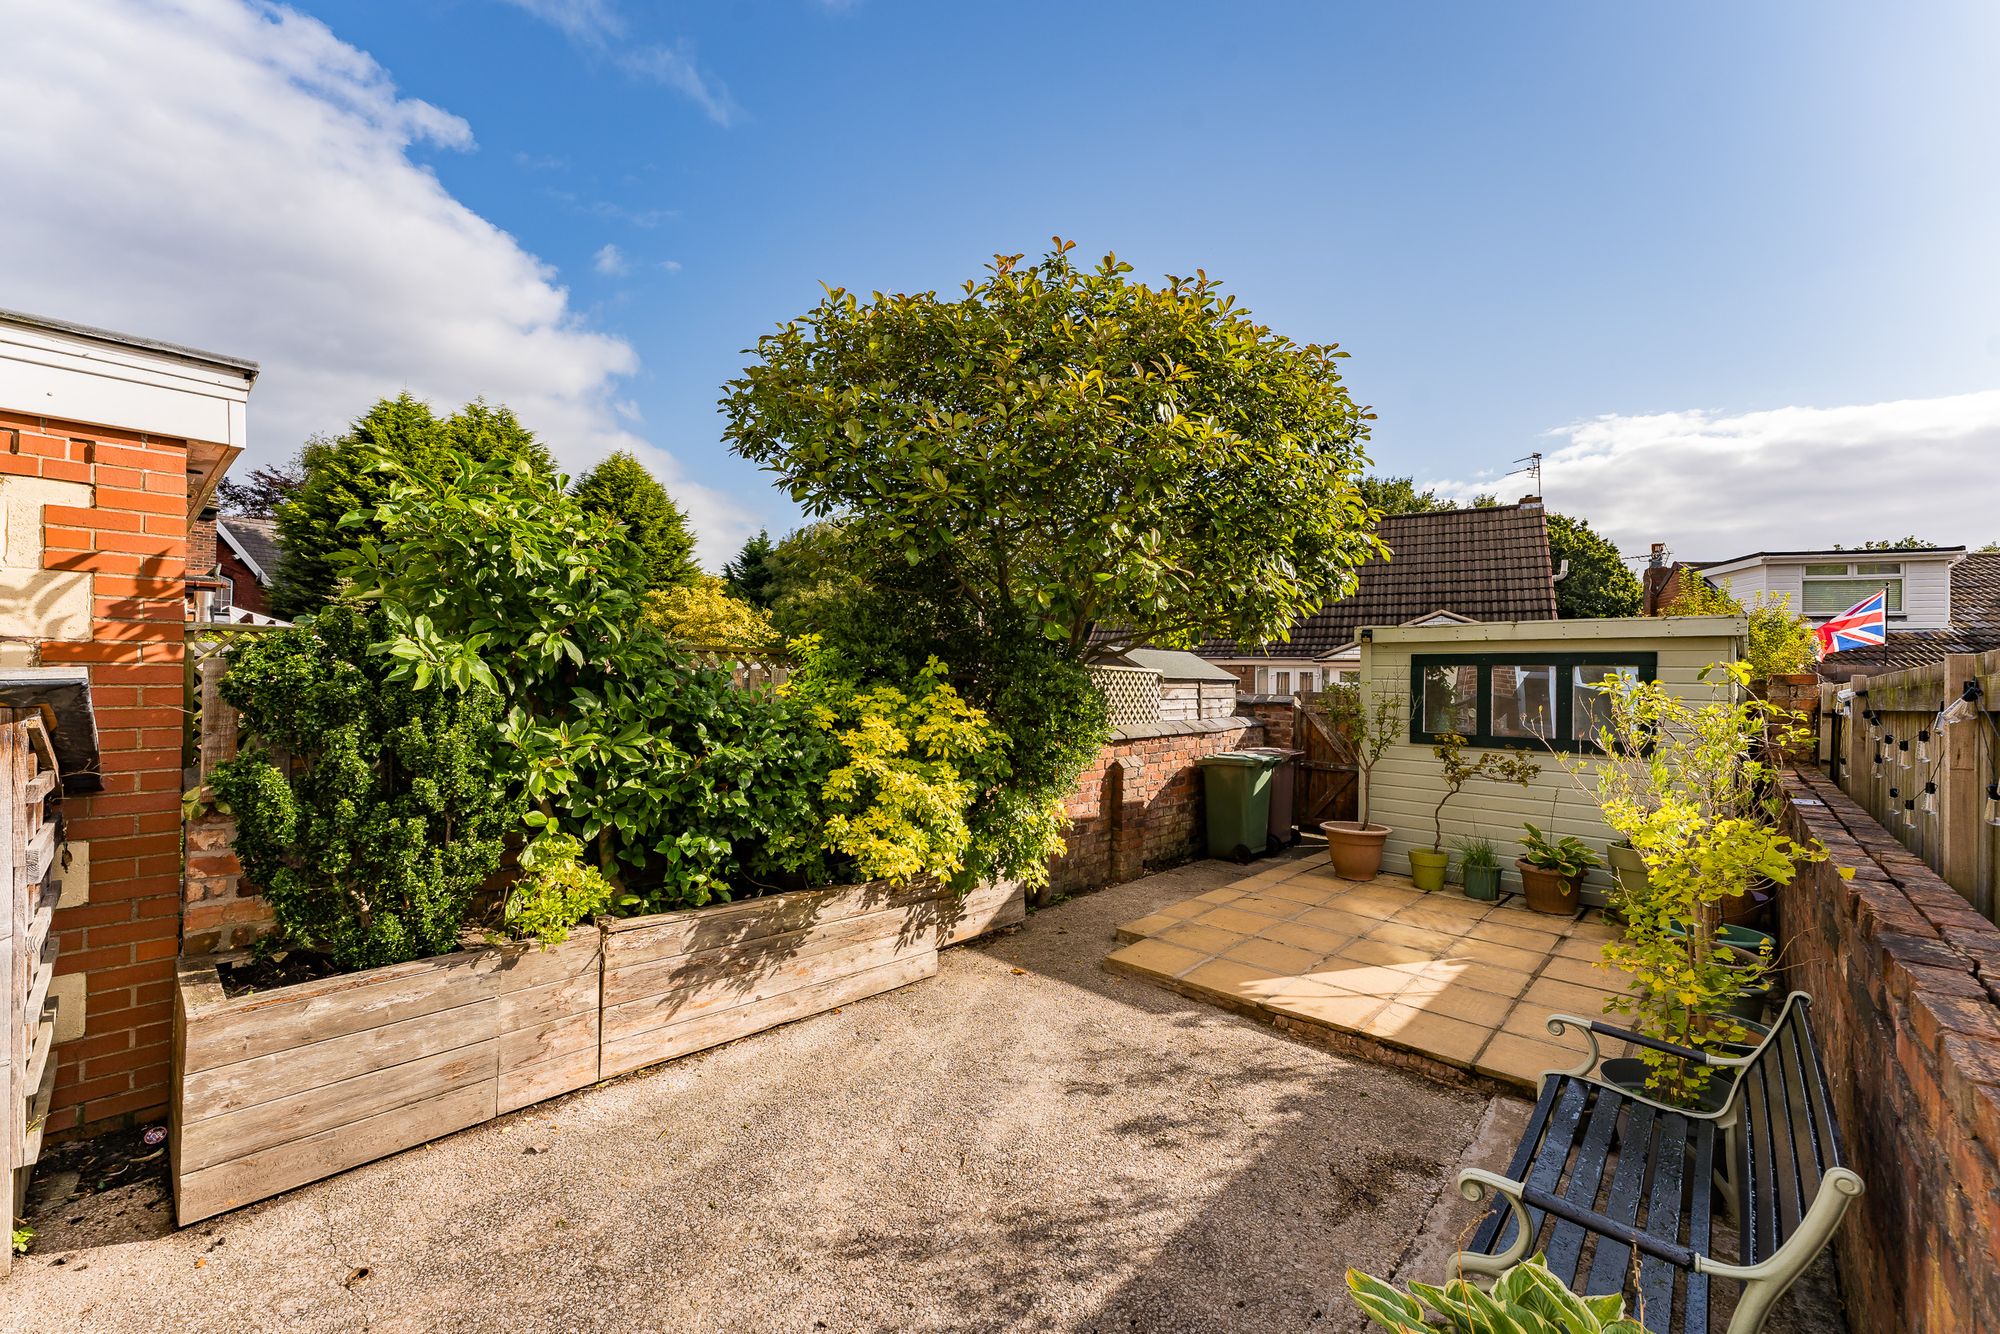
(1356, 845)
(1682, 780)
(1479, 866)
(1428, 865)
(1552, 870)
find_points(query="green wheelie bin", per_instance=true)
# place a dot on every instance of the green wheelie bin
(1237, 787)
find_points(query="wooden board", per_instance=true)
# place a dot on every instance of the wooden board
(279, 1088)
(987, 908)
(679, 982)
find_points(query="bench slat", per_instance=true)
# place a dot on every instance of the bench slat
(1563, 1099)
(1565, 1245)
(1796, 1167)
(1612, 1264)
(1663, 1219)
(1694, 1305)
(1760, 1218)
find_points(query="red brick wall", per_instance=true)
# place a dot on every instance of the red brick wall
(1139, 807)
(201, 546)
(131, 540)
(1905, 979)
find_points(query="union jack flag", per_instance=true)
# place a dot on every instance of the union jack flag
(1863, 625)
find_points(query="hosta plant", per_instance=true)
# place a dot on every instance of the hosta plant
(1527, 1299)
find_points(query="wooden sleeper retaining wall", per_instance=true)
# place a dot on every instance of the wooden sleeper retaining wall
(279, 1088)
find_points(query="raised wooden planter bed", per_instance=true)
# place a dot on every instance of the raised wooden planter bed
(278, 1088)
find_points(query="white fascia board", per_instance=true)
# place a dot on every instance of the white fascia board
(47, 373)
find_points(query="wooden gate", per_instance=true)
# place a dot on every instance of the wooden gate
(1329, 784)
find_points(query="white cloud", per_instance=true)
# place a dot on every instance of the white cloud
(233, 176)
(599, 28)
(671, 265)
(1713, 485)
(610, 261)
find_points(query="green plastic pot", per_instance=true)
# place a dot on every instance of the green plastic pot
(1746, 938)
(1427, 868)
(1628, 868)
(1482, 882)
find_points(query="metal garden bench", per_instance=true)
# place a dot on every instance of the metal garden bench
(1618, 1172)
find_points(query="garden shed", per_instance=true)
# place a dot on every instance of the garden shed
(1519, 686)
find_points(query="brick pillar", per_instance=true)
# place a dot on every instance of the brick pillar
(1125, 808)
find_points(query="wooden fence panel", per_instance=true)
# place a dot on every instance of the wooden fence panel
(1919, 750)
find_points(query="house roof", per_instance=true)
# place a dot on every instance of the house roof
(1974, 628)
(254, 537)
(1482, 564)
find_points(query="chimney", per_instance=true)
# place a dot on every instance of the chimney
(1531, 502)
(1659, 558)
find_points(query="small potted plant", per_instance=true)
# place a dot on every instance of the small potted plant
(1628, 868)
(1428, 865)
(1356, 845)
(1479, 866)
(1552, 870)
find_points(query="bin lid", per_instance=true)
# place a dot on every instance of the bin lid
(1247, 759)
(1276, 752)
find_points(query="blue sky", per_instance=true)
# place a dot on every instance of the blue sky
(1662, 243)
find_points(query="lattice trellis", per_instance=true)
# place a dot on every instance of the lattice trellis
(1132, 693)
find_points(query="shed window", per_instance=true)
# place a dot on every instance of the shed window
(1542, 701)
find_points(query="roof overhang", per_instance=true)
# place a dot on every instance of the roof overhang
(73, 372)
(1710, 568)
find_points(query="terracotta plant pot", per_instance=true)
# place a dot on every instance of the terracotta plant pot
(1549, 891)
(1482, 882)
(1427, 868)
(1356, 848)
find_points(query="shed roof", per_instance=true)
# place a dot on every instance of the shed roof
(1484, 564)
(242, 365)
(1174, 665)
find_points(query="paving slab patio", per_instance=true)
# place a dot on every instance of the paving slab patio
(1455, 983)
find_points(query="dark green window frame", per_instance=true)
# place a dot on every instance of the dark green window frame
(1646, 665)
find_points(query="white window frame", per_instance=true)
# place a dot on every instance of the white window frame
(1895, 584)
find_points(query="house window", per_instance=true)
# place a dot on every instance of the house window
(1284, 683)
(1542, 701)
(220, 601)
(1832, 587)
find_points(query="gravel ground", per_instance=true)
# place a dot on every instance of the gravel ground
(1024, 1142)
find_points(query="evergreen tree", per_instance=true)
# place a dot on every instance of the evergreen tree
(749, 575)
(621, 488)
(337, 482)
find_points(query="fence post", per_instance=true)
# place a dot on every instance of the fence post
(1857, 767)
(1959, 790)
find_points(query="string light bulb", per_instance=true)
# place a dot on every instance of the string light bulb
(1924, 746)
(1876, 771)
(1993, 803)
(1928, 802)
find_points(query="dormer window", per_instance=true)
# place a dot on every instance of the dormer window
(1834, 586)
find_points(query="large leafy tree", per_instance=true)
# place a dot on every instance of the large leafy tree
(621, 488)
(262, 490)
(1080, 448)
(1399, 495)
(1598, 583)
(341, 479)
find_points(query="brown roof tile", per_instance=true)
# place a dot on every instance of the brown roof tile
(1486, 564)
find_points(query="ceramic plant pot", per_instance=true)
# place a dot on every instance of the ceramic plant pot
(1482, 882)
(1427, 868)
(1549, 891)
(1628, 868)
(1356, 848)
